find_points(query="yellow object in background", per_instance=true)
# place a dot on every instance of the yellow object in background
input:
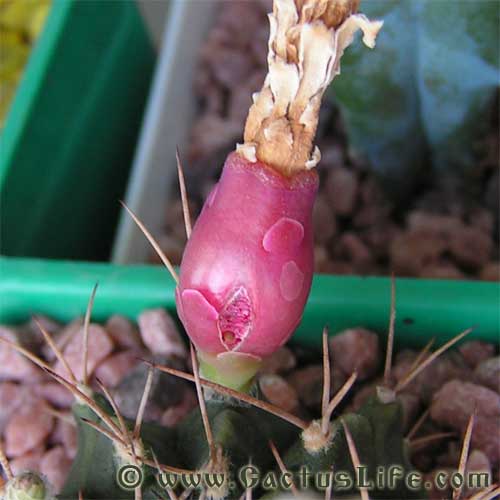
(21, 22)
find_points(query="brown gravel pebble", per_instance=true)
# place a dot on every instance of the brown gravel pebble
(476, 351)
(113, 369)
(324, 221)
(448, 366)
(351, 247)
(160, 334)
(123, 333)
(356, 349)
(55, 466)
(308, 383)
(487, 373)
(28, 428)
(281, 361)
(341, 187)
(453, 404)
(471, 246)
(413, 251)
(279, 392)
(478, 463)
(490, 272)
(100, 347)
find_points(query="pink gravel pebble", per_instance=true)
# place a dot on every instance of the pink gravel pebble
(160, 333)
(100, 347)
(476, 351)
(62, 338)
(279, 392)
(11, 397)
(66, 434)
(282, 360)
(30, 461)
(487, 373)
(28, 428)
(357, 350)
(55, 394)
(113, 369)
(453, 404)
(14, 366)
(123, 332)
(55, 465)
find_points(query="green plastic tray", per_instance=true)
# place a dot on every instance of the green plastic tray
(425, 308)
(70, 133)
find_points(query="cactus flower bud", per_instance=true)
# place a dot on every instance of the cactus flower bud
(247, 268)
(248, 265)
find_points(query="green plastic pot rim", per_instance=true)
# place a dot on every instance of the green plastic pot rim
(425, 309)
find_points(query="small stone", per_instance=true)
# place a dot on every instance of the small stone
(281, 361)
(28, 461)
(55, 394)
(14, 366)
(443, 225)
(478, 463)
(62, 337)
(123, 332)
(100, 347)
(279, 392)
(455, 402)
(353, 248)
(11, 397)
(55, 466)
(166, 390)
(341, 188)
(159, 333)
(448, 366)
(233, 67)
(113, 369)
(441, 270)
(490, 271)
(471, 247)
(356, 350)
(212, 133)
(173, 415)
(379, 236)
(476, 351)
(324, 220)
(322, 260)
(487, 373)
(28, 428)
(415, 250)
(482, 219)
(308, 384)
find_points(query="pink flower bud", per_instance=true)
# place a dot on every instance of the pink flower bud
(247, 268)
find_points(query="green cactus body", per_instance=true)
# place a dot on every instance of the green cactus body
(98, 462)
